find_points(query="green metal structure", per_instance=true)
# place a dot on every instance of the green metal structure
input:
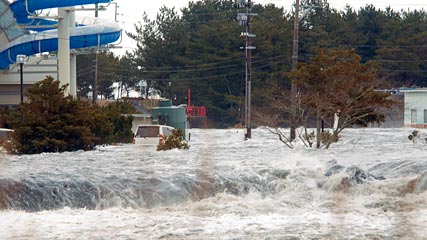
(174, 116)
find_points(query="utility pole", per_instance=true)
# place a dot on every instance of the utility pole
(115, 11)
(249, 67)
(245, 19)
(95, 61)
(294, 91)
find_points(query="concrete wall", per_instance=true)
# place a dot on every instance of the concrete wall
(394, 115)
(139, 119)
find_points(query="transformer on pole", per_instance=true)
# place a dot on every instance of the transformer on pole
(245, 20)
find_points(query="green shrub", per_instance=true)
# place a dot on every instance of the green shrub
(176, 140)
(51, 122)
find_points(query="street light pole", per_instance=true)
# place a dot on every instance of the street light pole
(21, 59)
(22, 81)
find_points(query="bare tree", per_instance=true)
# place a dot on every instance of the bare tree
(335, 85)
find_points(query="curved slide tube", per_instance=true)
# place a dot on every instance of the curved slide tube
(96, 33)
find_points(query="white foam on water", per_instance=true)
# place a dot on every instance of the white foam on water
(269, 191)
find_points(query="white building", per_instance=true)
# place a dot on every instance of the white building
(415, 113)
(35, 70)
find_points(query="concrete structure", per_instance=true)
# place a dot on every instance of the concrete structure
(415, 113)
(23, 31)
(36, 69)
(139, 119)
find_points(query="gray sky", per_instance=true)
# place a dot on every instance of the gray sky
(130, 12)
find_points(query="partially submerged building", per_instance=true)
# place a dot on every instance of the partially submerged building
(415, 107)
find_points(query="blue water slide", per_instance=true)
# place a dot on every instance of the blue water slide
(44, 38)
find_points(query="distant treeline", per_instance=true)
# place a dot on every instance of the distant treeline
(199, 47)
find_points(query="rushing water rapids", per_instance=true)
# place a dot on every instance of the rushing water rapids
(370, 185)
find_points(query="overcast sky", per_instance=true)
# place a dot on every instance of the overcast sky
(130, 12)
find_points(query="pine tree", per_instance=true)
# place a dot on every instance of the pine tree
(51, 122)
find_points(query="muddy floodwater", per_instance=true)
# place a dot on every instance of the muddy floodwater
(370, 185)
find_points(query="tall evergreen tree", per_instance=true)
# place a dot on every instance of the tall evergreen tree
(107, 64)
(201, 50)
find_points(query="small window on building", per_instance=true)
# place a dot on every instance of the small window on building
(413, 116)
(425, 115)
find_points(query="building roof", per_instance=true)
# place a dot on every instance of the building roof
(413, 90)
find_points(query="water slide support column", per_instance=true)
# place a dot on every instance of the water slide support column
(73, 59)
(64, 47)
